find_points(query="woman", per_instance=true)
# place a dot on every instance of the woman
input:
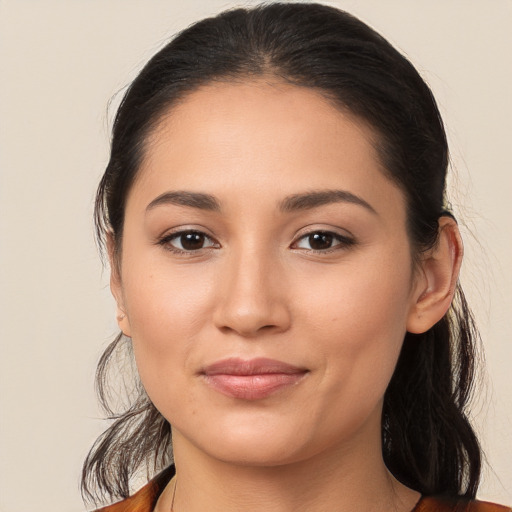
(285, 269)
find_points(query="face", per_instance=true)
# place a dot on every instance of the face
(265, 274)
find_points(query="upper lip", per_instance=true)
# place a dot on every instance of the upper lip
(258, 366)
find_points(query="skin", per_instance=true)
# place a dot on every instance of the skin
(256, 288)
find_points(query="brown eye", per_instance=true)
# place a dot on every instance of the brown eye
(188, 241)
(320, 241)
(323, 241)
(192, 241)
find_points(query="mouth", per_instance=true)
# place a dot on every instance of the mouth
(253, 379)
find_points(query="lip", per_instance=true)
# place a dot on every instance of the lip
(252, 379)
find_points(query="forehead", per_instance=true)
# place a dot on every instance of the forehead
(263, 135)
(221, 113)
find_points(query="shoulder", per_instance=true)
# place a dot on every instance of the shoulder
(440, 504)
(145, 499)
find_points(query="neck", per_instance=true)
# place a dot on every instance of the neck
(344, 480)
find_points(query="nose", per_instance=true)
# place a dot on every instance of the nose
(253, 298)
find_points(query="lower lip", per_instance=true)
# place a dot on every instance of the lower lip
(252, 387)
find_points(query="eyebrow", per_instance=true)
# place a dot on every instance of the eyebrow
(185, 198)
(316, 198)
(295, 202)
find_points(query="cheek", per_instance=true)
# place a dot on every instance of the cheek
(358, 317)
(167, 312)
(360, 297)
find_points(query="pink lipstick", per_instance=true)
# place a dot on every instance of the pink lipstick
(253, 379)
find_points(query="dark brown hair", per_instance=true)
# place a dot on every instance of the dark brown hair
(428, 442)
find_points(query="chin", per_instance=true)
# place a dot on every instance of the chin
(251, 445)
(264, 454)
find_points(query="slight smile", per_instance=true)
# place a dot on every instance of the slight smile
(254, 379)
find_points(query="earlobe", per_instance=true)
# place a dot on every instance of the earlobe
(122, 321)
(116, 287)
(439, 273)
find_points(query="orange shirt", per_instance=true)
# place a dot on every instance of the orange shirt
(145, 500)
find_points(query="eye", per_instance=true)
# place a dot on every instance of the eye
(323, 241)
(187, 241)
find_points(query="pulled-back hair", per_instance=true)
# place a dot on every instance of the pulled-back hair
(428, 442)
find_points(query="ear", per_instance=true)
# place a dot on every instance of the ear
(116, 286)
(437, 278)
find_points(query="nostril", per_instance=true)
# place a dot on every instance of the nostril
(247, 330)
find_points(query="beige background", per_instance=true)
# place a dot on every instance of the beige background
(61, 62)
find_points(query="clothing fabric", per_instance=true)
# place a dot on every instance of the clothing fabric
(145, 500)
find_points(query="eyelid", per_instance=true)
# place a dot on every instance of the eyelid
(165, 240)
(185, 228)
(344, 240)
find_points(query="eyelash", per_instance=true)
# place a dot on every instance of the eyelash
(166, 242)
(343, 242)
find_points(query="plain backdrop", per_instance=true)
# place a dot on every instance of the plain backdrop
(61, 63)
